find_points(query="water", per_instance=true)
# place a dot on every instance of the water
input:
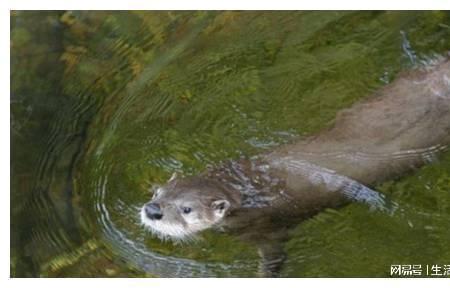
(105, 105)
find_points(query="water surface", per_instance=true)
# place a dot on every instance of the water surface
(105, 105)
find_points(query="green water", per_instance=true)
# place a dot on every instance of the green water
(106, 104)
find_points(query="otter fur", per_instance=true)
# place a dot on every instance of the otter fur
(403, 126)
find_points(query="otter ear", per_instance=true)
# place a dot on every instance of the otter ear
(174, 176)
(220, 207)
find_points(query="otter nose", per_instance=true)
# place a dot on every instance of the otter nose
(153, 211)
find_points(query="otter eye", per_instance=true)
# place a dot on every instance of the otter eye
(187, 210)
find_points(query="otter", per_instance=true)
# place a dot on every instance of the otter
(403, 126)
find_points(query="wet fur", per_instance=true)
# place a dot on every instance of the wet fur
(403, 126)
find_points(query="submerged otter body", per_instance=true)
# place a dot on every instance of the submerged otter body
(403, 126)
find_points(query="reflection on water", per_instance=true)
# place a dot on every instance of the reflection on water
(105, 105)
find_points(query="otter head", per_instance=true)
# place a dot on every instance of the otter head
(186, 206)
